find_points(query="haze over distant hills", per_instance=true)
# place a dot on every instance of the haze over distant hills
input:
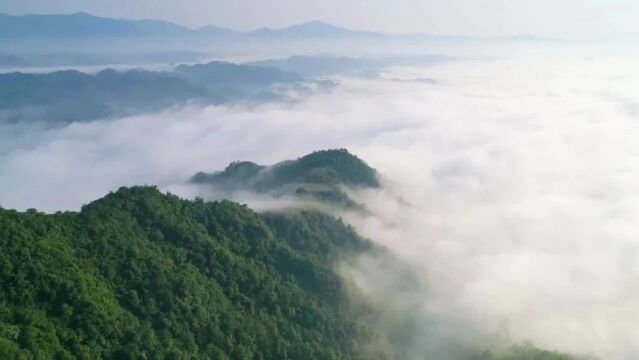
(82, 39)
(84, 25)
(69, 96)
(87, 25)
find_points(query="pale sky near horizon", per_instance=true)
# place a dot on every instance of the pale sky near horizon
(578, 19)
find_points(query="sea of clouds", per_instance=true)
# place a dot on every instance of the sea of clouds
(517, 175)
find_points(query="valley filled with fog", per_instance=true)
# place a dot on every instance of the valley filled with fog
(508, 181)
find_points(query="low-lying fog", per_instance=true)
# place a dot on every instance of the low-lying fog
(520, 173)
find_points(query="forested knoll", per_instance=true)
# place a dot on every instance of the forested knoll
(140, 274)
(319, 176)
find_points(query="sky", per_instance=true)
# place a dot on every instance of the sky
(572, 19)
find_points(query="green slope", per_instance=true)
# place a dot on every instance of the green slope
(139, 274)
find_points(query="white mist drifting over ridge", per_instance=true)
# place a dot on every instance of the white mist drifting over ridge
(523, 205)
(521, 173)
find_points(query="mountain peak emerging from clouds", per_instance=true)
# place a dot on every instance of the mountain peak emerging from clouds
(316, 26)
(318, 176)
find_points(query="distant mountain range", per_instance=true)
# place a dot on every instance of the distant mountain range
(87, 26)
(69, 96)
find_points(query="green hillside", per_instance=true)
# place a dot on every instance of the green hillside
(139, 274)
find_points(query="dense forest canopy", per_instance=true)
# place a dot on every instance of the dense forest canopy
(142, 274)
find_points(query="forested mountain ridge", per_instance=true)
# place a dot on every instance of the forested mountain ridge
(70, 95)
(140, 274)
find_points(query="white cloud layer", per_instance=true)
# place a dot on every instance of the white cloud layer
(521, 173)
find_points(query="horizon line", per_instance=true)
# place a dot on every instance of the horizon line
(296, 24)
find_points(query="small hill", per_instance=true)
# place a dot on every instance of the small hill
(318, 176)
(312, 29)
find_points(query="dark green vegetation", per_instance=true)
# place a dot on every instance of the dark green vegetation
(67, 96)
(139, 274)
(317, 176)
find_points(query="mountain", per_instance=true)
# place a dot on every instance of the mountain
(83, 25)
(95, 58)
(318, 65)
(217, 31)
(319, 176)
(69, 96)
(313, 66)
(81, 28)
(218, 72)
(139, 274)
(312, 29)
